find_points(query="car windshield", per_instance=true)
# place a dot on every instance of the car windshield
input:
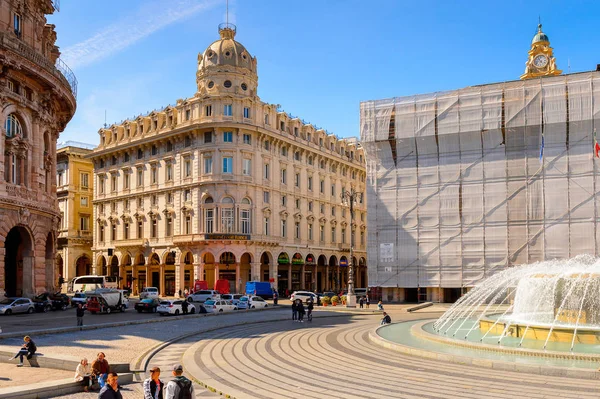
(244, 299)
(209, 302)
(147, 300)
(167, 303)
(6, 302)
(258, 299)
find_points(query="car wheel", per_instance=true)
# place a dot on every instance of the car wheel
(193, 311)
(253, 307)
(139, 310)
(107, 310)
(189, 299)
(63, 307)
(220, 310)
(154, 310)
(30, 310)
(176, 312)
(266, 306)
(47, 308)
(123, 308)
(8, 312)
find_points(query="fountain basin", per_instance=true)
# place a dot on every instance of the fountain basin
(557, 333)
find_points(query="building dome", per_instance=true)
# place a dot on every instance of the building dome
(226, 51)
(540, 36)
(226, 67)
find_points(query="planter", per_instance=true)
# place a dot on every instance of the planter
(334, 304)
(323, 304)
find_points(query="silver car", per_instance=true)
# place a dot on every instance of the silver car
(16, 305)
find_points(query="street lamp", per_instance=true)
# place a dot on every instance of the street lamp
(350, 198)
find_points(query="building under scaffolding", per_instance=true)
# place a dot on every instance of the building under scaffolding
(466, 183)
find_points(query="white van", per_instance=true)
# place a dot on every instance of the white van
(149, 292)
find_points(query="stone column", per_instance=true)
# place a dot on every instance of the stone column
(238, 276)
(179, 278)
(255, 271)
(327, 283)
(148, 276)
(134, 280)
(303, 277)
(161, 278)
(290, 277)
(216, 273)
(274, 273)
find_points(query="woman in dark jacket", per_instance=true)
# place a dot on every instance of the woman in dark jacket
(153, 386)
(300, 307)
(294, 311)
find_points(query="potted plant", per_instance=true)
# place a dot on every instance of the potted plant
(335, 300)
(343, 298)
(325, 300)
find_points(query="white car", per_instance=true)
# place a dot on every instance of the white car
(174, 307)
(203, 295)
(233, 298)
(304, 296)
(256, 302)
(149, 292)
(219, 305)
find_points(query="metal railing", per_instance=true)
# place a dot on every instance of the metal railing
(60, 69)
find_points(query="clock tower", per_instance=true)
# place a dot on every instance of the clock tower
(541, 62)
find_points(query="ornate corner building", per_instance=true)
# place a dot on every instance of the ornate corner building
(223, 186)
(74, 177)
(38, 94)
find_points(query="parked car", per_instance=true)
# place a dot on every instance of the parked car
(105, 300)
(219, 305)
(149, 292)
(57, 301)
(303, 296)
(42, 305)
(203, 295)
(16, 305)
(256, 302)
(328, 294)
(174, 307)
(243, 303)
(233, 298)
(78, 298)
(147, 305)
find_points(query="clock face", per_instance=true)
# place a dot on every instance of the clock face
(540, 61)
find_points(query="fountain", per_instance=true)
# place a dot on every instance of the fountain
(546, 313)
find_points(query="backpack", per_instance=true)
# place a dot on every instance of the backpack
(185, 388)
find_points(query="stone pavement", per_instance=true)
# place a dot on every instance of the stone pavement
(11, 375)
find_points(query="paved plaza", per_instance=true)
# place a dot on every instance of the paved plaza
(266, 355)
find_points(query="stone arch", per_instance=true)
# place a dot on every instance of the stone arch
(333, 260)
(246, 258)
(227, 258)
(101, 265)
(83, 266)
(266, 258)
(362, 262)
(140, 260)
(23, 117)
(322, 261)
(354, 261)
(126, 261)
(18, 261)
(208, 257)
(283, 257)
(59, 266)
(186, 257)
(114, 266)
(169, 258)
(154, 259)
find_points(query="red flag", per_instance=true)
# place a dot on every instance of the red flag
(596, 146)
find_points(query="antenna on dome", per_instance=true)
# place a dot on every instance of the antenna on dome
(227, 11)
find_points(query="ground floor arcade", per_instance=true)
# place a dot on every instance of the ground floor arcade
(27, 252)
(175, 269)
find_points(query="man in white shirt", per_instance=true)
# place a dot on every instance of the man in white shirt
(179, 387)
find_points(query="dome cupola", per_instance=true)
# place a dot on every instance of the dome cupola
(540, 36)
(226, 67)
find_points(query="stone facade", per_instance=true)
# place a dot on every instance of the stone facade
(74, 179)
(37, 94)
(223, 186)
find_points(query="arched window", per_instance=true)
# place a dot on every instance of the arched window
(209, 216)
(227, 216)
(208, 200)
(13, 126)
(246, 216)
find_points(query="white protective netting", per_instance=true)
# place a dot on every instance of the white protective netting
(459, 188)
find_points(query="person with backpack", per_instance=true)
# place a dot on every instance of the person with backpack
(179, 387)
(300, 308)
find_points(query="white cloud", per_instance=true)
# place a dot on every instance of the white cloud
(150, 18)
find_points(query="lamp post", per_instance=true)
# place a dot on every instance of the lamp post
(349, 198)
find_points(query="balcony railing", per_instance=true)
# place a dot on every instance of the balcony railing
(60, 70)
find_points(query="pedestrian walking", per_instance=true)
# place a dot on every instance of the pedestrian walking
(360, 302)
(367, 301)
(101, 368)
(275, 297)
(300, 311)
(179, 387)
(294, 311)
(153, 386)
(27, 349)
(379, 305)
(386, 319)
(287, 293)
(80, 311)
(111, 389)
(184, 306)
(83, 372)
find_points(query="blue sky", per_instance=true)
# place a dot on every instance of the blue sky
(317, 58)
